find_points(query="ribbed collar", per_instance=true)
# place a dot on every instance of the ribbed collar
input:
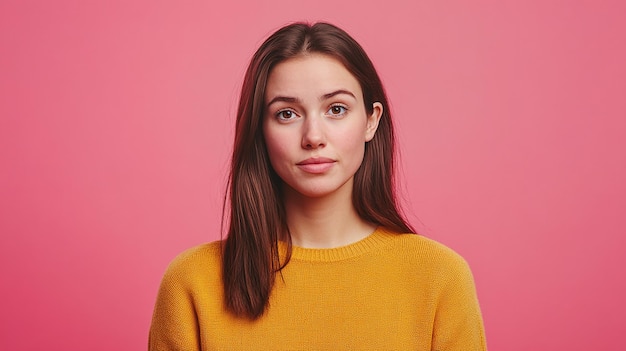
(379, 238)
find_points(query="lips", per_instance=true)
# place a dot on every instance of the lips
(316, 165)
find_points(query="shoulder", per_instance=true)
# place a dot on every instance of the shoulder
(198, 254)
(427, 254)
(441, 271)
(195, 265)
(419, 246)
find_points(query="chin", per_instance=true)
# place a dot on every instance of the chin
(318, 192)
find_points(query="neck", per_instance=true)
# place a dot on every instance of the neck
(324, 222)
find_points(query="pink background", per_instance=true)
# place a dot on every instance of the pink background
(117, 119)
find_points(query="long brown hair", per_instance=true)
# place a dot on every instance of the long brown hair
(257, 220)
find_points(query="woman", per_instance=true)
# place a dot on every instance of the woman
(315, 256)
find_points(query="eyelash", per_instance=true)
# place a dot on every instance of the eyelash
(344, 110)
(280, 113)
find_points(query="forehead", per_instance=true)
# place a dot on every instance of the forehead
(308, 76)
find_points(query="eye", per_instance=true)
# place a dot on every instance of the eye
(285, 115)
(337, 110)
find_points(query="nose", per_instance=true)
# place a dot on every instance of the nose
(313, 135)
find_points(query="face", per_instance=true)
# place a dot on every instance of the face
(316, 126)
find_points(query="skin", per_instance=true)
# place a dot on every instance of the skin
(315, 128)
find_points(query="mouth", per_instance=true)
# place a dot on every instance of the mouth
(315, 161)
(316, 165)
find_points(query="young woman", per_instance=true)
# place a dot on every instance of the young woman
(317, 256)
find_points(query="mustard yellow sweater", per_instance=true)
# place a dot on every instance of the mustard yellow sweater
(386, 292)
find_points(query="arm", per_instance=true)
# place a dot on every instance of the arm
(174, 323)
(458, 322)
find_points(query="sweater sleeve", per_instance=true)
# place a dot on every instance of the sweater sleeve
(174, 322)
(458, 322)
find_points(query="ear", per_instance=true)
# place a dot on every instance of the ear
(372, 121)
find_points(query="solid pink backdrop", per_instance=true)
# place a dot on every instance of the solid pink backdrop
(117, 120)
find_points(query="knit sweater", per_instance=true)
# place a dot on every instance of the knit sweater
(385, 292)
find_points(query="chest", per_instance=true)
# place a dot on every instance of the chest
(331, 307)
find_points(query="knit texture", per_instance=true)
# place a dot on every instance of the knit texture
(386, 292)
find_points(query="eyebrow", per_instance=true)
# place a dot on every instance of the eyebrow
(337, 92)
(323, 97)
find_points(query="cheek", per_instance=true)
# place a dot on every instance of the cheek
(277, 149)
(351, 139)
(352, 147)
(277, 154)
